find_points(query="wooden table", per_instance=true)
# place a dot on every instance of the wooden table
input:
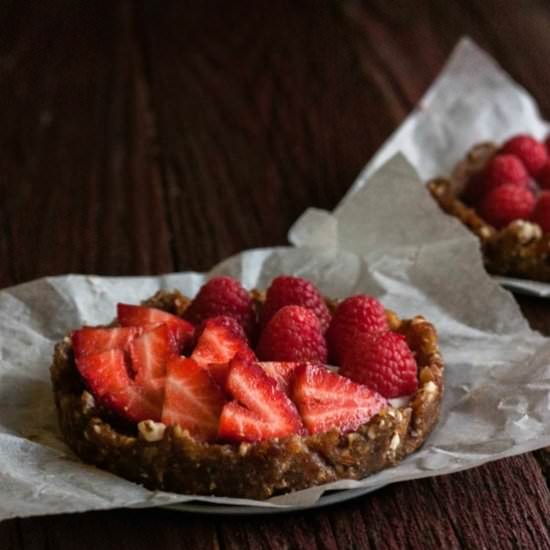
(147, 137)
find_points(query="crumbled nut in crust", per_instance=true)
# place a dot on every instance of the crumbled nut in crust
(395, 441)
(430, 389)
(151, 431)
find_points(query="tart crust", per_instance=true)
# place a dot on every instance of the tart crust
(520, 249)
(169, 458)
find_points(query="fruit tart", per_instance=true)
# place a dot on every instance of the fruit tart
(231, 393)
(502, 194)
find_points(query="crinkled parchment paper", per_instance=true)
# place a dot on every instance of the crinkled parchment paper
(471, 101)
(390, 240)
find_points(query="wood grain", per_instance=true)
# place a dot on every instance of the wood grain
(144, 137)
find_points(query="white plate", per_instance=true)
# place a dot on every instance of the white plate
(525, 286)
(333, 497)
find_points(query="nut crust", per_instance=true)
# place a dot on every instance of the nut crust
(169, 458)
(520, 249)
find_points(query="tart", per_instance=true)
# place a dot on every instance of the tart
(170, 457)
(518, 247)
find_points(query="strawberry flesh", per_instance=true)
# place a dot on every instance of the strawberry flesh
(107, 377)
(192, 399)
(130, 315)
(328, 401)
(281, 372)
(87, 340)
(149, 354)
(216, 346)
(260, 410)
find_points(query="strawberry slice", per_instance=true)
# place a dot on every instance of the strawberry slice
(217, 345)
(328, 401)
(107, 377)
(149, 354)
(129, 315)
(88, 340)
(263, 411)
(192, 399)
(282, 373)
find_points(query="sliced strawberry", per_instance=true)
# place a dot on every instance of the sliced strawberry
(216, 346)
(90, 340)
(263, 411)
(328, 401)
(149, 354)
(237, 423)
(107, 377)
(192, 399)
(281, 372)
(129, 315)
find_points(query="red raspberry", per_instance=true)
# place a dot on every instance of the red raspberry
(222, 296)
(505, 204)
(503, 169)
(544, 176)
(383, 362)
(294, 291)
(357, 314)
(541, 214)
(293, 334)
(531, 152)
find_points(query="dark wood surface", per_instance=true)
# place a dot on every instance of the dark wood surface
(146, 137)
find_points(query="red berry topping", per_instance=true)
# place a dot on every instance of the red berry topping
(229, 322)
(541, 214)
(506, 204)
(294, 291)
(107, 377)
(88, 341)
(217, 345)
(149, 354)
(504, 169)
(129, 315)
(292, 334)
(282, 373)
(223, 296)
(360, 314)
(329, 401)
(544, 176)
(383, 362)
(531, 152)
(192, 399)
(260, 410)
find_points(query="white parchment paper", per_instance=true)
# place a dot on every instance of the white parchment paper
(389, 240)
(472, 100)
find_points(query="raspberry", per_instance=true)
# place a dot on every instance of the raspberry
(292, 334)
(503, 169)
(544, 176)
(505, 204)
(357, 314)
(294, 291)
(531, 152)
(541, 214)
(383, 362)
(222, 296)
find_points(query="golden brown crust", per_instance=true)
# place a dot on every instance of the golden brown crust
(168, 458)
(520, 249)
